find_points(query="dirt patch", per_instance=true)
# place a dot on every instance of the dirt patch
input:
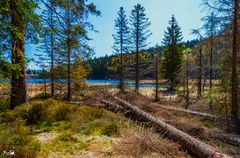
(45, 137)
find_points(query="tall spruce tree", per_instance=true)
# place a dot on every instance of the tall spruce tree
(172, 53)
(121, 41)
(18, 23)
(73, 32)
(48, 42)
(139, 35)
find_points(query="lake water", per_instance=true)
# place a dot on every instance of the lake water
(102, 83)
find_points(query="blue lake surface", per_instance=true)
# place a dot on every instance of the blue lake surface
(109, 83)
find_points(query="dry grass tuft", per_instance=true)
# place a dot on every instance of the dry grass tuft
(145, 143)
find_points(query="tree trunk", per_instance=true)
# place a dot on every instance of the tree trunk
(187, 84)
(211, 67)
(171, 67)
(199, 95)
(137, 54)
(68, 56)
(234, 108)
(52, 60)
(121, 63)
(18, 84)
(156, 75)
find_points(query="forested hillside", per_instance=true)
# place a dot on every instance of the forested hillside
(101, 67)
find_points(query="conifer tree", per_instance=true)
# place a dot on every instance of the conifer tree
(121, 41)
(18, 24)
(73, 31)
(139, 35)
(172, 54)
(48, 42)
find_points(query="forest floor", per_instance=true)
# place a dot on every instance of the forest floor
(198, 127)
(50, 128)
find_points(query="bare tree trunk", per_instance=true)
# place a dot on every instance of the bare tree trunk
(187, 89)
(171, 75)
(211, 67)
(211, 62)
(121, 63)
(156, 75)
(44, 82)
(52, 60)
(199, 95)
(137, 55)
(234, 108)
(18, 84)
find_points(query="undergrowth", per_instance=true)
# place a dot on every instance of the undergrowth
(18, 127)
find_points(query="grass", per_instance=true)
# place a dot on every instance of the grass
(50, 128)
(18, 126)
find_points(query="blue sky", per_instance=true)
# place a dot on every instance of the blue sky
(187, 12)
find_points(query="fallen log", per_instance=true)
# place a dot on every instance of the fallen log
(227, 138)
(195, 146)
(195, 113)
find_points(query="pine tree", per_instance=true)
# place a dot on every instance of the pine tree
(139, 35)
(121, 41)
(172, 54)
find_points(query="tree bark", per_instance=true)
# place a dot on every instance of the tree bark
(234, 108)
(187, 84)
(121, 62)
(68, 56)
(52, 60)
(18, 84)
(137, 54)
(157, 82)
(199, 95)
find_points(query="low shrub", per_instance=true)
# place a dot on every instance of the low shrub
(4, 104)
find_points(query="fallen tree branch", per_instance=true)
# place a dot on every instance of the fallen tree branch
(195, 113)
(194, 145)
(227, 138)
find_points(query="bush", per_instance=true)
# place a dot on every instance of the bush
(4, 104)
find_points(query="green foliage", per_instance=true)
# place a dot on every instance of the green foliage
(171, 65)
(121, 37)
(4, 104)
(139, 24)
(220, 99)
(79, 74)
(172, 53)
